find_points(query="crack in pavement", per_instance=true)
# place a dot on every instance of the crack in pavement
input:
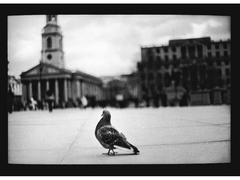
(73, 142)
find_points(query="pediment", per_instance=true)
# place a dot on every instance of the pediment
(43, 69)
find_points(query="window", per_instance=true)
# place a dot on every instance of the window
(228, 81)
(226, 61)
(174, 57)
(165, 49)
(158, 63)
(167, 79)
(144, 87)
(225, 54)
(225, 45)
(191, 50)
(174, 49)
(183, 52)
(150, 62)
(200, 51)
(149, 52)
(209, 46)
(49, 42)
(209, 54)
(49, 56)
(166, 58)
(150, 76)
(227, 72)
(166, 62)
(158, 50)
(217, 54)
(217, 46)
(159, 77)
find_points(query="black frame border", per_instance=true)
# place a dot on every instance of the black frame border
(110, 170)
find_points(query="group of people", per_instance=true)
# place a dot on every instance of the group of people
(49, 102)
(34, 105)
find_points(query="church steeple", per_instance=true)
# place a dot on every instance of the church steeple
(51, 19)
(52, 48)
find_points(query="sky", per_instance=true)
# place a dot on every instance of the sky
(106, 45)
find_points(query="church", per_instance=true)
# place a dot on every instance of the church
(51, 74)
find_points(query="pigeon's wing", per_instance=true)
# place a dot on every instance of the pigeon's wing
(122, 142)
(108, 135)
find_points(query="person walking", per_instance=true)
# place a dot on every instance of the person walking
(84, 102)
(50, 99)
(10, 99)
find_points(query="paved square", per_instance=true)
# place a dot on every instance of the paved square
(171, 135)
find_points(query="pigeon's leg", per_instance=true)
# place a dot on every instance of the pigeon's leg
(109, 151)
(113, 153)
(111, 147)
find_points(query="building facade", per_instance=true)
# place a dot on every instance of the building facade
(194, 64)
(122, 90)
(15, 86)
(51, 74)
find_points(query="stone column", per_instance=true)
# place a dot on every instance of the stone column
(30, 89)
(65, 90)
(78, 88)
(56, 92)
(24, 92)
(39, 91)
(69, 89)
(81, 88)
(47, 85)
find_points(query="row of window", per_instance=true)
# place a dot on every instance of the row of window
(217, 45)
(217, 54)
(174, 57)
(177, 76)
(210, 54)
(199, 47)
(165, 49)
(176, 64)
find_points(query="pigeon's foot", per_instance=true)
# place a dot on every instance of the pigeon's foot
(111, 154)
(136, 151)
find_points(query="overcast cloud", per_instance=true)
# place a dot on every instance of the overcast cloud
(105, 45)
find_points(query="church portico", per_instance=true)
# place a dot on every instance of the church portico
(51, 75)
(38, 88)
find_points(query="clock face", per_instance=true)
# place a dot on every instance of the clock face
(49, 56)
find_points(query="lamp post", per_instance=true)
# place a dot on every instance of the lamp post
(40, 73)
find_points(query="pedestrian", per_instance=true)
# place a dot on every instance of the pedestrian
(33, 103)
(163, 97)
(10, 99)
(84, 102)
(50, 99)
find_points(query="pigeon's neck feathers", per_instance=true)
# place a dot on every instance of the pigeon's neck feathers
(104, 121)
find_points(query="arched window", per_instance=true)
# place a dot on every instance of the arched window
(49, 42)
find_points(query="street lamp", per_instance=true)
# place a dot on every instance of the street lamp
(40, 70)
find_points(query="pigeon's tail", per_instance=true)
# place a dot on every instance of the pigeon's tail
(122, 142)
(135, 149)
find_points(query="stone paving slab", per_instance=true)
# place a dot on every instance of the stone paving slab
(172, 135)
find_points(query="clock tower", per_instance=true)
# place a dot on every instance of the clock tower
(52, 46)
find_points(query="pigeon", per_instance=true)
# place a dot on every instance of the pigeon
(109, 137)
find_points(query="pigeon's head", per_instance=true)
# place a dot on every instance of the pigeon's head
(106, 114)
